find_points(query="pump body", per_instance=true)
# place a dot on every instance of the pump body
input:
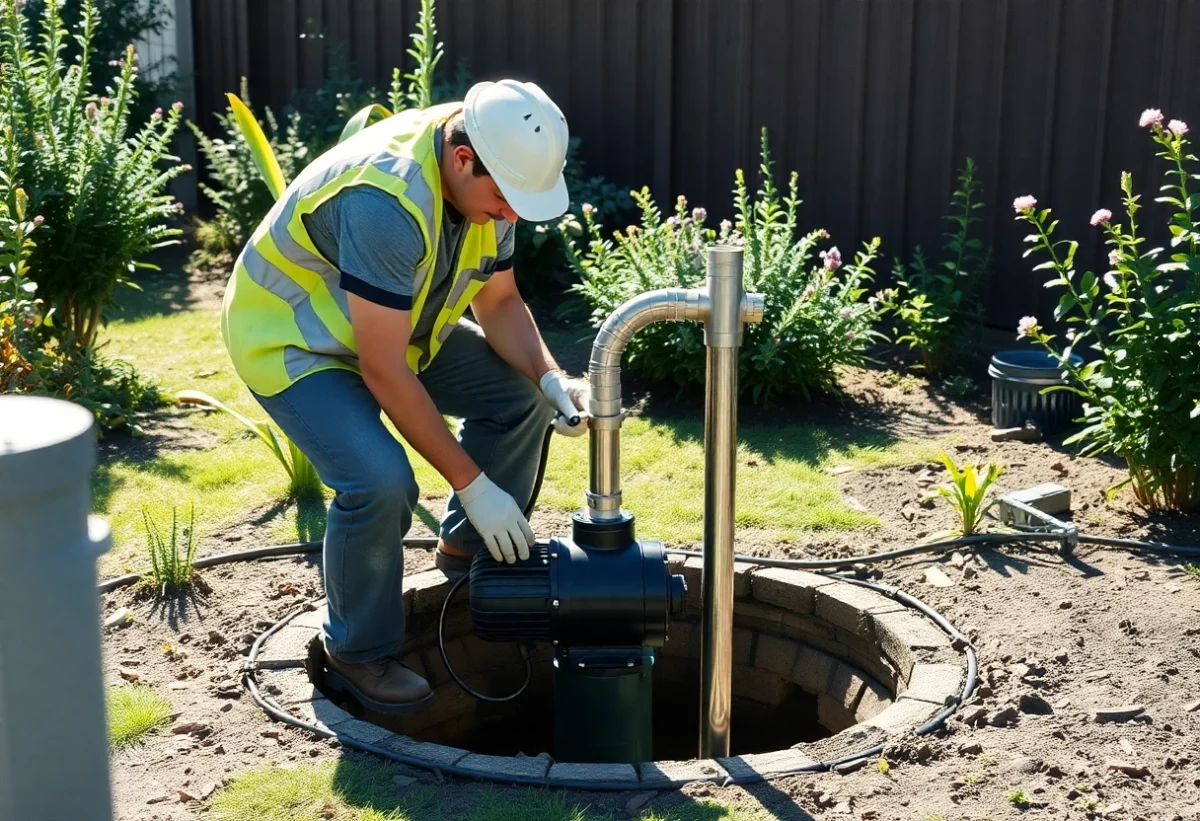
(604, 600)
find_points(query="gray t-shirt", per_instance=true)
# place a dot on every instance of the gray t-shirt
(377, 245)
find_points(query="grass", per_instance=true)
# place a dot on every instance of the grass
(783, 488)
(1018, 798)
(353, 791)
(135, 712)
(1193, 570)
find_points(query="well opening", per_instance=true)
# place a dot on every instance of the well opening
(823, 669)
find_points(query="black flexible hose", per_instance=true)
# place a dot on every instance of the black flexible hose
(446, 659)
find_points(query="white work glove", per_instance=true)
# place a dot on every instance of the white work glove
(571, 398)
(497, 519)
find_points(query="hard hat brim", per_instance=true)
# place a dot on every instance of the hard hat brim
(537, 206)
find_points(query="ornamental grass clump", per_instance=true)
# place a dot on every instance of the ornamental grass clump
(814, 318)
(1136, 327)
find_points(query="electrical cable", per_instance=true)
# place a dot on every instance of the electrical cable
(446, 659)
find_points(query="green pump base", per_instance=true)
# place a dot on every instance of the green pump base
(603, 705)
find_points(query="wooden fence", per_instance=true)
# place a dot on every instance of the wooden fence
(875, 103)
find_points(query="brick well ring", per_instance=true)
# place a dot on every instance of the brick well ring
(879, 668)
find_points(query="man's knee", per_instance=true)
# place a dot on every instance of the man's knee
(389, 480)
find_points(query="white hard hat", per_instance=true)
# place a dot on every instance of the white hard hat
(521, 137)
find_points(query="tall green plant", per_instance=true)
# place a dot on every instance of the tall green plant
(240, 190)
(170, 560)
(20, 309)
(938, 306)
(1136, 326)
(968, 492)
(98, 180)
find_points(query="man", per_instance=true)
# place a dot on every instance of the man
(348, 300)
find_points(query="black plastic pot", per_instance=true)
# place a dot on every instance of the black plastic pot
(1018, 379)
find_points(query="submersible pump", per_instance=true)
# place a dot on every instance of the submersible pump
(605, 599)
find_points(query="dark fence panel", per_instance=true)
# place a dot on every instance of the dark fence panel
(874, 103)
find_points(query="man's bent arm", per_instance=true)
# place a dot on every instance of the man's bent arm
(381, 335)
(509, 327)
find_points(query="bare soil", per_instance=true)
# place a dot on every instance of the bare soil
(1058, 637)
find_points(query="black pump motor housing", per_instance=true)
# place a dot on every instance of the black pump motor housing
(599, 588)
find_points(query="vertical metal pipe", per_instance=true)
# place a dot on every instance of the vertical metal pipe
(53, 735)
(722, 336)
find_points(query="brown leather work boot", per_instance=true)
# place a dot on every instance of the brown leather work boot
(384, 685)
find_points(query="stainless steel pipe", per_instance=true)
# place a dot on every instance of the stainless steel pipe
(723, 308)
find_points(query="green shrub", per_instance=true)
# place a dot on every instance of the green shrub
(1136, 326)
(938, 307)
(20, 309)
(240, 195)
(814, 319)
(99, 184)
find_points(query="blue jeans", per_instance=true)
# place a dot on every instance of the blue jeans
(335, 420)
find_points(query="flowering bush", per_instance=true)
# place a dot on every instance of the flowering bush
(20, 309)
(100, 188)
(936, 306)
(1141, 382)
(813, 320)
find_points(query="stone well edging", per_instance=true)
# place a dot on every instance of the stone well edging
(879, 669)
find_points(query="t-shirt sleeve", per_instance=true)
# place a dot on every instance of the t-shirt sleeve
(379, 247)
(506, 244)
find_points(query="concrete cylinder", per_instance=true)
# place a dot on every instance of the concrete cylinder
(53, 729)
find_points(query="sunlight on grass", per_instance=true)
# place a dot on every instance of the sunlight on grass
(346, 791)
(784, 489)
(133, 713)
(352, 791)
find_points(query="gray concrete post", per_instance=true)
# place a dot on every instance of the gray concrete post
(53, 729)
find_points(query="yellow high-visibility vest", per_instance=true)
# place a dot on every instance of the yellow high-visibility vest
(284, 315)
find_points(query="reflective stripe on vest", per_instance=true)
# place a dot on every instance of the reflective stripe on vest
(284, 314)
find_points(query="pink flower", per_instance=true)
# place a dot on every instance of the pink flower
(186, 167)
(699, 214)
(588, 208)
(1114, 258)
(672, 222)
(1103, 215)
(726, 225)
(1023, 205)
(1177, 127)
(91, 109)
(1026, 326)
(177, 106)
(1151, 117)
(823, 234)
(39, 219)
(157, 115)
(693, 247)
(849, 334)
(833, 258)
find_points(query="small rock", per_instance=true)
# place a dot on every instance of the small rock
(1112, 809)
(839, 470)
(974, 715)
(1126, 745)
(1124, 713)
(215, 638)
(957, 560)
(191, 728)
(970, 748)
(702, 790)
(841, 808)
(1065, 604)
(185, 796)
(270, 734)
(1034, 705)
(969, 572)
(1141, 576)
(1134, 770)
(121, 618)
(1022, 765)
(937, 578)
(639, 800)
(177, 685)
(207, 790)
(128, 675)
(226, 707)
(1059, 467)
(158, 799)
(1061, 657)
(402, 781)
(1003, 718)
